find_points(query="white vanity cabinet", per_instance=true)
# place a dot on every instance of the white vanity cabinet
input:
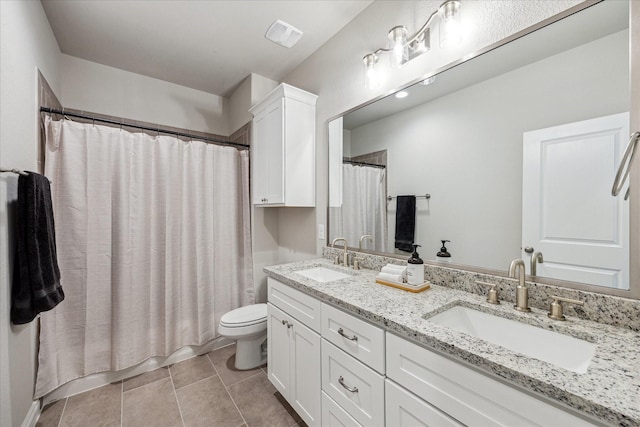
(294, 349)
(336, 369)
(283, 148)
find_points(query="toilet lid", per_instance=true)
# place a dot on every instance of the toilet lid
(245, 316)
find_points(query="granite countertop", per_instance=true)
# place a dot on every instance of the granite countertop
(609, 390)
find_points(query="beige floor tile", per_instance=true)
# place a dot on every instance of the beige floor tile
(146, 378)
(224, 359)
(258, 404)
(98, 407)
(191, 370)
(153, 404)
(51, 414)
(207, 403)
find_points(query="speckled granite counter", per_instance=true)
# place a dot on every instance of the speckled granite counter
(610, 390)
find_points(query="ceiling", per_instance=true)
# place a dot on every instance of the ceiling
(206, 45)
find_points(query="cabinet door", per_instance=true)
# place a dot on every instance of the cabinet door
(403, 409)
(259, 149)
(305, 386)
(278, 354)
(274, 154)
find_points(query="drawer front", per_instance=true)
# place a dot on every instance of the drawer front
(304, 308)
(354, 386)
(334, 416)
(358, 338)
(404, 409)
(465, 394)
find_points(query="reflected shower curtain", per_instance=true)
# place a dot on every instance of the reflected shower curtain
(153, 239)
(364, 207)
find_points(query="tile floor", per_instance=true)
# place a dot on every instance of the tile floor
(202, 391)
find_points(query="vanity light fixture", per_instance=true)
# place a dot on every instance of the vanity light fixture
(401, 94)
(403, 49)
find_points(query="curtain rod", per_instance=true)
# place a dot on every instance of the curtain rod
(131, 125)
(357, 163)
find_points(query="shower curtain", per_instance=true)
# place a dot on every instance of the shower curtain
(153, 240)
(364, 207)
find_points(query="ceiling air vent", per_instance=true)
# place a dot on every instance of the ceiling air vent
(283, 34)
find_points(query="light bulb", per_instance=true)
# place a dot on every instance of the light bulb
(399, 51)
(450, 28)
(371, 77)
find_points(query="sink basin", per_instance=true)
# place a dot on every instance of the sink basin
(561, 350)
(322, 274)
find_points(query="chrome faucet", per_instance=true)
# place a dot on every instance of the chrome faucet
(535, 259)
(364, 237)
(345, 256)
(522, 293)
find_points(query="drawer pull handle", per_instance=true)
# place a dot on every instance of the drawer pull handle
(353, 338)
(351, 389)
(286, 322)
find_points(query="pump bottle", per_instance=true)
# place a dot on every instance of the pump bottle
(415, 268)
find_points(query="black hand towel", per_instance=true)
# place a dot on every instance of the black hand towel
(405, 222)
(36, 278)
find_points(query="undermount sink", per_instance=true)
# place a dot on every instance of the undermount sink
(561, 350)
(322, 274)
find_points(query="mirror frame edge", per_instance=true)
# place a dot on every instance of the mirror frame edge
(634, 234)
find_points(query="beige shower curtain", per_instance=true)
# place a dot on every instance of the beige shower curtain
(153, 240)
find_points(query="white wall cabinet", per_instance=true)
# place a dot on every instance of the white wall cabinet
(283, 148)
(294, 357)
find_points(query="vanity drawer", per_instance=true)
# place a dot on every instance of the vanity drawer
(304, 308)
(404, 409)
(358, 338)
(334, 416)
(354, 386)
(465, 394)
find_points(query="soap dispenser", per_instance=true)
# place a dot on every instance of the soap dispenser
(444, 254)
(415, 268)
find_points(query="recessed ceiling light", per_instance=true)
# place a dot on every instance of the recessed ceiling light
(402, 94)
(283, 34)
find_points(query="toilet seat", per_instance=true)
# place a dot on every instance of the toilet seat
(245, 316)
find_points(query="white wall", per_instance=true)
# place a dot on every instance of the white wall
(97, 88)
(465, 149)
(334, 72)
(27, 42)
(239, 104)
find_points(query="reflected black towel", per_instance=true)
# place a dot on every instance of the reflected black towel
(405, 222)
(36, 278)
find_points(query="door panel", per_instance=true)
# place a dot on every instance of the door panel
(568, 212)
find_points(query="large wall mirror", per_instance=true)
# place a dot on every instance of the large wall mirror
(509, 154)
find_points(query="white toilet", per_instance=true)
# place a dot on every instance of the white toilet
(248, 327)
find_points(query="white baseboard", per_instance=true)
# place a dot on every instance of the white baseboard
(32, 416)
(89, 382)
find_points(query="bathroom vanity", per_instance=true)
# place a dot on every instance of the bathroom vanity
(344, 350)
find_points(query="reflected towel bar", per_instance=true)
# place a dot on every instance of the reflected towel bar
(18, 171)
(426, 196)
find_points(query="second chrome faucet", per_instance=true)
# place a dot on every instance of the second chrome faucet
(522, 293)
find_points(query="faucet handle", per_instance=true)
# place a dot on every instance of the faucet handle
(492, 295)
(555, 308)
